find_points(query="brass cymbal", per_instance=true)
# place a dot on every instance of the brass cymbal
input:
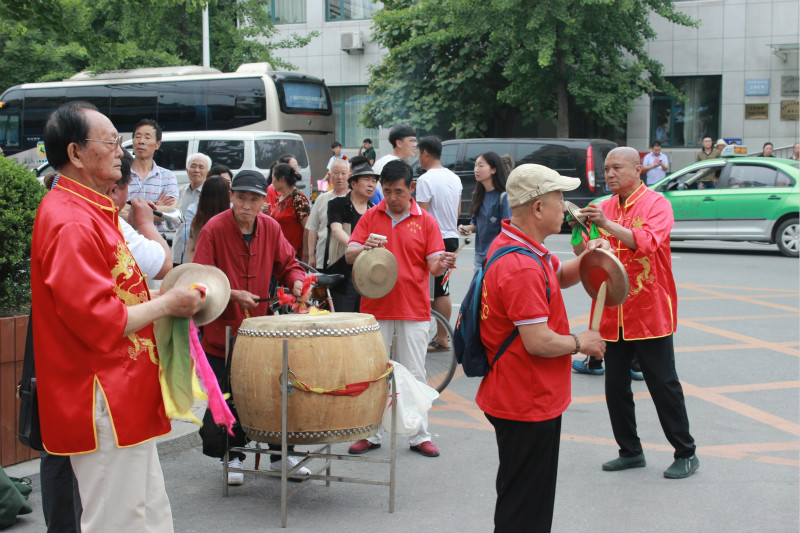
(600, 265)
(218, 287)
(573, 210)
(374, 273)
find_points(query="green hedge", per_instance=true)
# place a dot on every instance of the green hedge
(20, 194)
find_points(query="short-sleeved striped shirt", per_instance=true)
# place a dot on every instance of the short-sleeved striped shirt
(158, 181)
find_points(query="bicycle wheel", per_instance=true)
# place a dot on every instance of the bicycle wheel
(440, 366)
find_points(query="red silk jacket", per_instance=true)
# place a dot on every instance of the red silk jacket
(651, 309)
(83, 277)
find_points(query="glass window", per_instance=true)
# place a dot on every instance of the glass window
(269, 150)
(684, 124)
(181, 105)
(351, 9)
(98, 95)
(228, 153)
(9, 119)
(299, 96)
(552, 156)
(39, 103)
(449, 154)
(698, 178)
(172, 155)
(288, 11)
(130, 103)
(475, 149)
(752, 176)
(221, 100)
(347, 105)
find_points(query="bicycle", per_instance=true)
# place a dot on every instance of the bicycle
(319, 295)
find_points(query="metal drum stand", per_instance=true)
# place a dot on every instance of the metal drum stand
(323, 452)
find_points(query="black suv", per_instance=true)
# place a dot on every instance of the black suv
(578, 158)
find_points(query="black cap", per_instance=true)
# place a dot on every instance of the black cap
(251, 181)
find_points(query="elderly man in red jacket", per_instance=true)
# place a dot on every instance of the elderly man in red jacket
(250, 248)
(96, 357)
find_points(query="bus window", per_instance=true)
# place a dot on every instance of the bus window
(39, 103)
(269, 150)
(181, 106)
(228, 153)
(303, 97)
(130, 103)
(250, 101)
(98, 95)
(172, 155)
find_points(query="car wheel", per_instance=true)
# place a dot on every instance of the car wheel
(786, 237)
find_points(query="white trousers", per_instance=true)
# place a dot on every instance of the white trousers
(122, 489)
(411, 349)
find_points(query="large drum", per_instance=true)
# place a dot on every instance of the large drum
(326, 352)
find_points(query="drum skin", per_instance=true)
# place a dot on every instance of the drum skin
(325, 351)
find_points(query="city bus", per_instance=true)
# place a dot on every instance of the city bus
(253, 98)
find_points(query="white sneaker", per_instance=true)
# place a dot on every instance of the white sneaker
(235, 478)
(292, 461)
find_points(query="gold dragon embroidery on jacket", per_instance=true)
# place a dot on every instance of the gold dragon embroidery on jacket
(126, 274)
(644, 276)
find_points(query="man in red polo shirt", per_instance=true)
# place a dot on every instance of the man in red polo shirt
(413, 236)
(637, 221)
(528, 388)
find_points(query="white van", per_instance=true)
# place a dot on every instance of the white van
(238, 150)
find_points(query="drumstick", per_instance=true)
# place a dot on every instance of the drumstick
(598, 307)
(466, 242)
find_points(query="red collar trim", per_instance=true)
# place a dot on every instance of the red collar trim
(635, 196)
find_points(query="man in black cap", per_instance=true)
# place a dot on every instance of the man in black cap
(250, 248)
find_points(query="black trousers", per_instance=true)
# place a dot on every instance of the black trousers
(526, 478)
(345, 297)
(61, 501)
(657, 360)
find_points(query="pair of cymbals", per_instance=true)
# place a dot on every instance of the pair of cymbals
(218, 288)
(374, 273)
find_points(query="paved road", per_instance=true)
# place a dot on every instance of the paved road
(737, 356)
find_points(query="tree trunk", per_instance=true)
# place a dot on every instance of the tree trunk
(562, 130)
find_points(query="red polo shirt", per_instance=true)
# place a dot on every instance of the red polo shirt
(651, 309)
(522, 386)
(412, 240)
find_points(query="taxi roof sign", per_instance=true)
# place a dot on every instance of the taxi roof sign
(734, 150)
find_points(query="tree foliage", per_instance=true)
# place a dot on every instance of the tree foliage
(20, 195)
(457, 65)
(45, 40)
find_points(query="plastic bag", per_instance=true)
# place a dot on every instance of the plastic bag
(414, 399)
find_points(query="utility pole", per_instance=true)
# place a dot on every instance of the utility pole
(206, 49)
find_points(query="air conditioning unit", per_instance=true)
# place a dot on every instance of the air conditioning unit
(351, 40)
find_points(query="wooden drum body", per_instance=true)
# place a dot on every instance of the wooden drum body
(325, 352)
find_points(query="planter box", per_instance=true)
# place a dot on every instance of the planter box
(12, 352)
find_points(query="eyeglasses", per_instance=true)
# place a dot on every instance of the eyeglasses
(117, 141)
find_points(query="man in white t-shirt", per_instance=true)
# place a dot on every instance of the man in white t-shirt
(439, 193)
(403, 139)
(655, 164)
(316, 233)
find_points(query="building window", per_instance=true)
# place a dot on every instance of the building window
(350, 9)
(288, 11)
(684, 124)
(347, 105)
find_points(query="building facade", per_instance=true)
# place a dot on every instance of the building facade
(738, 69)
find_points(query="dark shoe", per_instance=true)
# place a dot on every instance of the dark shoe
(582, 367)
(427, 449)
(636, 376)
(362, 446)
(434, 346)
(624, 463)
(682, 467)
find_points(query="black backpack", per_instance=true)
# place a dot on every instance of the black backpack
(470, 351)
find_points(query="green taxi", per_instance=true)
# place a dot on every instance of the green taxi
(736, 199)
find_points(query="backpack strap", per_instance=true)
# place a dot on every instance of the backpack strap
(500, 252)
